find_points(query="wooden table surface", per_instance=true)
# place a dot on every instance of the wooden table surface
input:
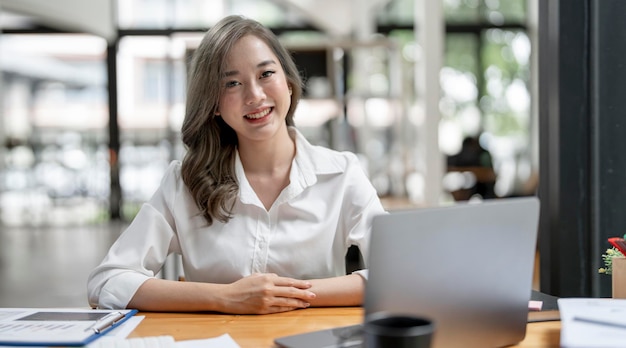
(258, 331)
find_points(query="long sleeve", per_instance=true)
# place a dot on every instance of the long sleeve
(138, 254)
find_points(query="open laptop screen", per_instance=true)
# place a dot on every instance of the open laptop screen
(468, 267)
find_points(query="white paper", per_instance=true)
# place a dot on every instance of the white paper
(121, 333)
(224, 341)
(592, 322)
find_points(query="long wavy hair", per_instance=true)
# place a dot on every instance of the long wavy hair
(208, 168)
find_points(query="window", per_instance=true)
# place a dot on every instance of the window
(53, 130)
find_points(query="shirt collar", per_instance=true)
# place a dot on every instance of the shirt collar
(309, 162)
(315, 160)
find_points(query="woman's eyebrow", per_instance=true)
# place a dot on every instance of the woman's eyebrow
(265, 63)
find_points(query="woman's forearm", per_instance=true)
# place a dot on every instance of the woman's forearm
(174, 296)
(346, 290)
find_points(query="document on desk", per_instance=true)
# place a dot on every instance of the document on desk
(223, 341)
(57, 326)
(592, 322)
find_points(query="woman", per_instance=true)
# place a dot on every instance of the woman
(261, 217)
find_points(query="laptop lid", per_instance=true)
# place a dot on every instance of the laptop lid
(468, 267)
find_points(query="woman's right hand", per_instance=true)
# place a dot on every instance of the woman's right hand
(264, 293)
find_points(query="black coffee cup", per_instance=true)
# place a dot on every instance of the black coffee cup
(384, 330)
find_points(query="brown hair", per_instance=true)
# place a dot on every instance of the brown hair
(208, 168)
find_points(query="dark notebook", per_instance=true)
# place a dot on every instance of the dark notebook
(549, 310)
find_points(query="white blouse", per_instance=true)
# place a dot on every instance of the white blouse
(326, 208)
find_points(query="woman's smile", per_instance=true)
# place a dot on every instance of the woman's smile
(259, 115)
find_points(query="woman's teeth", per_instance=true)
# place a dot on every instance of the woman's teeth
(259, 114)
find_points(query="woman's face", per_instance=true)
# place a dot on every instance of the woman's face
(255, 95)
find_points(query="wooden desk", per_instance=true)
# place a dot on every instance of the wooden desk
(259, 331)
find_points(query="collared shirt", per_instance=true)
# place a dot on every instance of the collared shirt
(326, 208)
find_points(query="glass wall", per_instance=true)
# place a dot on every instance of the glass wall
(151, 87)
(486, 98)
(485, 94)
(54, 167)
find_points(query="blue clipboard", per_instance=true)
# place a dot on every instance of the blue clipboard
(67, 327)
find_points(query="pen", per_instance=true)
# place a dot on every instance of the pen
(600, 322)
(106, 321)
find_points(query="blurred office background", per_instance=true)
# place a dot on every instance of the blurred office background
(93, 92)
(361, 95)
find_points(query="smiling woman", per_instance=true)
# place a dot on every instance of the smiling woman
(262, 219)
(237, 87)
(255, 95)
(254, 102)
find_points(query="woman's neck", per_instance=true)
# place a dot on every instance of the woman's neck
(269, 156)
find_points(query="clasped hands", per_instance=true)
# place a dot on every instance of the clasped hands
(264, 293)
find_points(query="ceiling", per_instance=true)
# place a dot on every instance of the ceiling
(344, 19)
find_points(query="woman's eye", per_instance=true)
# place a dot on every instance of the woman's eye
(231, 84)
(268, 73)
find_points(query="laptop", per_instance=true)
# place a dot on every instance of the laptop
(467, 266)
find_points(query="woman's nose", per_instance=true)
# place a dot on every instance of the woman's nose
(254, 94)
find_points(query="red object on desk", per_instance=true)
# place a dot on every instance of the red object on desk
(619, 243)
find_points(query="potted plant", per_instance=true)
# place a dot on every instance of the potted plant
(615, 265)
